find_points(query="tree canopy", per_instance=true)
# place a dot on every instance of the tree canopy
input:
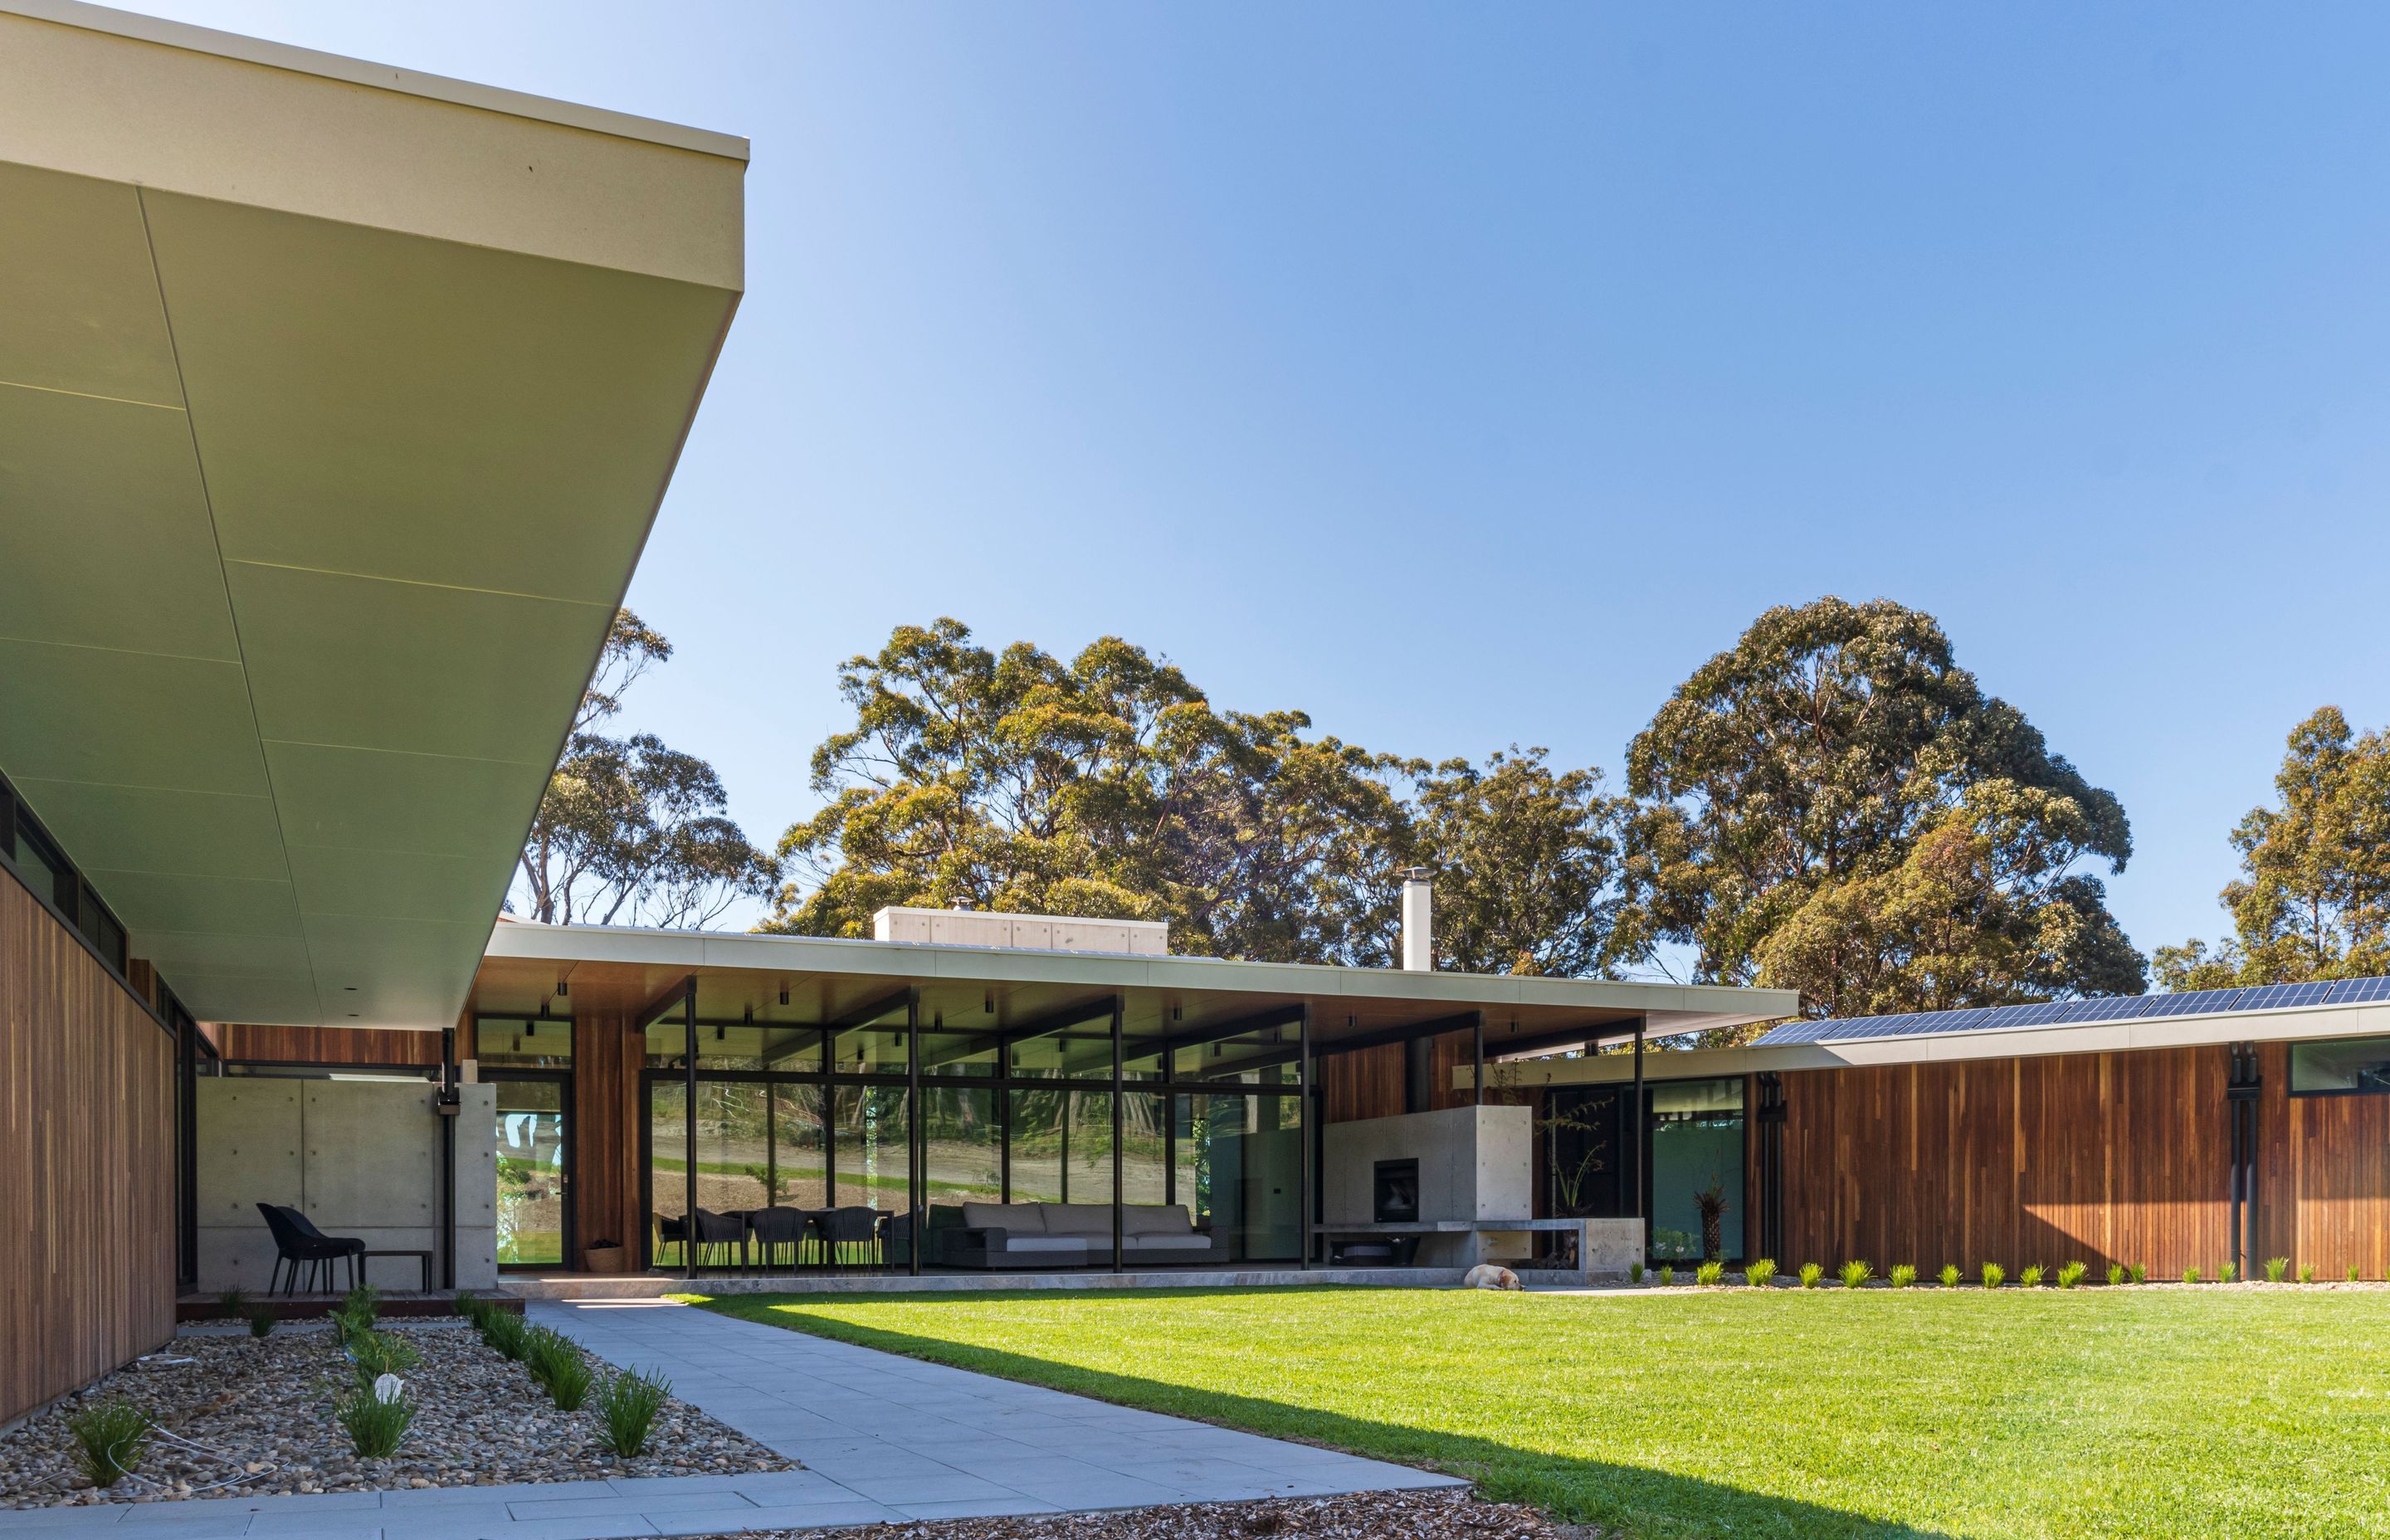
(630, 831)
(2313, 897)
(1833, 805)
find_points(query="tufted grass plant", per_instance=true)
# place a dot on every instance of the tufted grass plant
(1709, 1275)
(2070, 1274)
(1993, 1274)
(2136, 1272)
(262, 1320)
(375, 1353)
(1855, 1274)
(1760, 1274)
(2031, 1278)
(2276, 1268)
(232, 1306)
(627, 1404)
(1635, 1272)
(2190, 1274)
(2227, 1272)
(560, 1369)
(1948, 1277)
(2115, 1274)
(1810, 1274)
(505, 1333)
(110, 1438)
(1667, 1277)
(2352, 1272)
(374, 1426)
(2307, 1272)
(1903, 1275)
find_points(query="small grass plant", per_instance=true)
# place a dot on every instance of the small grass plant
(2227, 1272)
(1810, 1275)
(2307, 1272)
(1667, 1277)
(2136, 1272)
(626, 1407)
(262, 1320)
(558, 1366)
(2115, 1274)
(376, 1418)
(2070, 1274)
(375, 1353)
(232, 1306)
(1760, 1274)
(1709, 1275)
(1855, 1274)
(110, 1438)
(1635, 1272)
(2031, 1278)
(2276, 1268)
(2352, 1272)
(2190, 1274)
(505, 1333)
(1993, 1274)
(1948, 1277)
(1903, 1275)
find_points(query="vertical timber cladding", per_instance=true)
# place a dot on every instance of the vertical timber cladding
(86, 1164)
(607, 1118)
(2096, 1158)
(2323, 1175)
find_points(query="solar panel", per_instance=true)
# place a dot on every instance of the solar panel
(2127, 1008)
(2282, 996)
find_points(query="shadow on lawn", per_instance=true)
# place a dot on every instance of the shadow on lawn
(1647, 1504)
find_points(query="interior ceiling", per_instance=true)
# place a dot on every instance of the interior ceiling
(310, 531)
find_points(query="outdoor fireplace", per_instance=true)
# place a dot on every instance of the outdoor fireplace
(1396, 1192)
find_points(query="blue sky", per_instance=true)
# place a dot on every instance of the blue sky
(1466, 376)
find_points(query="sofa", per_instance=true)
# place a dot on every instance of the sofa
(1040, 1235)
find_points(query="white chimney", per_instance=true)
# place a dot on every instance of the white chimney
(1419, 934)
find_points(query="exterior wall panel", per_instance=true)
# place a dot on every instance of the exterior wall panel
(86, 1164)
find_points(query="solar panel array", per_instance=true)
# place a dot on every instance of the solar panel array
(2123, 1007)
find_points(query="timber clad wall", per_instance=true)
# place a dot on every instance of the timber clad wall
(86, 1164)
(2323, 1177)
(363, 1049)
(607, 1056)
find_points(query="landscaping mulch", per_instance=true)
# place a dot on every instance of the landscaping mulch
(263, 1407)
(1449, 1515)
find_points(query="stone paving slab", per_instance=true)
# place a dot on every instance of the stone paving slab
(883, 1439)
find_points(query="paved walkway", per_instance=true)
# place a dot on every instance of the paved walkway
(883, 1439)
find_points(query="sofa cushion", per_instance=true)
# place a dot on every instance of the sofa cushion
(1012, 1218)
(1156, 1219)
(1163, 1243)
(1088, 1220)
(1072, 1246)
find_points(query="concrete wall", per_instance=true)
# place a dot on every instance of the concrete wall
(1474, 1163)
(359, 1158)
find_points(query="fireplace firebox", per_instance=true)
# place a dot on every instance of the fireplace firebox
(1397, 1192)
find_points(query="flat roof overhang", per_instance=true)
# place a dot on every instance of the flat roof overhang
(2305, 1023)
(336, 404)
(625, 971)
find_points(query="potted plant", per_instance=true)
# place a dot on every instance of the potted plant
(604, 1256)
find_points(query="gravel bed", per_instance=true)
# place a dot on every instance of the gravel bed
(1449, 1515)
(266, 1403)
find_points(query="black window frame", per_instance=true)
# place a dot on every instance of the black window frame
(72, 901)
(2291, 1067)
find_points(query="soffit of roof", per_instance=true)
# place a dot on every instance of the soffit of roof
(332, 420)
(740, 970)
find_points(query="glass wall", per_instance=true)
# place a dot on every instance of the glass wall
(1696, 1168)
(531, 1175)
(823, 1118)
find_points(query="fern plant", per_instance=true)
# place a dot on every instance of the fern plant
(1810, 1274)
(2070, 1274)
(1760, 1274)
(1993, 1274)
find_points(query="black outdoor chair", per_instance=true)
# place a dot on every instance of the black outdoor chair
(843, 1230)
(775, 1227)
(671, 1232)
(719, 1232)
(296, 1240)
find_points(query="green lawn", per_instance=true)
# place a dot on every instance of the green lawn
(2132, 1412)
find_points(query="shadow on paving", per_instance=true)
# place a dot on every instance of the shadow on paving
(1650, 1504)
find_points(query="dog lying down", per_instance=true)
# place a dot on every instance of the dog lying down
(1487, 1276)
